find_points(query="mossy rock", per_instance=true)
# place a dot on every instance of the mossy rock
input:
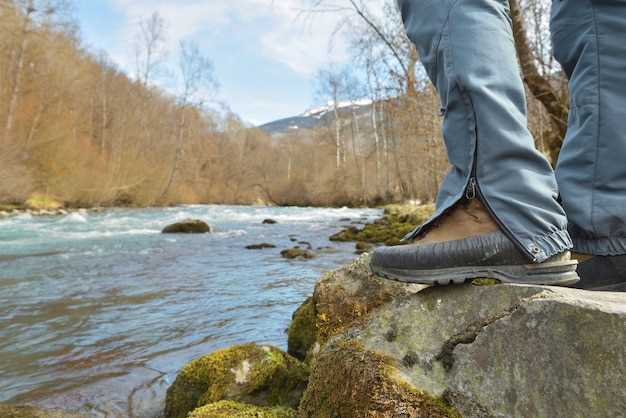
(257, 375)
(296, 252)
(302, 332)
(397, 221)
(363, 247)
(25, 411)
(231, 409)
(350, 382)
(188, 226)
(342, 299)
(43, 202)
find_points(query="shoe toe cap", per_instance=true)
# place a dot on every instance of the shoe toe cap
(387, 256)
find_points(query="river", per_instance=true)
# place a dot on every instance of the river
(98, 311)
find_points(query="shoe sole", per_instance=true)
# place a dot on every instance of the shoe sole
(561, 273)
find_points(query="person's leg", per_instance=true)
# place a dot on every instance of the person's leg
(468, 51)
(589, 38)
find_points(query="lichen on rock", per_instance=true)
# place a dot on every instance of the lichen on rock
(476, 350)
(342, 299)
(258, 375)
(231, 409)
(350, 382)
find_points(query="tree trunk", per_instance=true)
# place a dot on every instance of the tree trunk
(177, 156)
(539, 85)
(17, 75)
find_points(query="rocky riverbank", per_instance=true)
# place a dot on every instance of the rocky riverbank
(40, 205)
(365, 347)
(362, 346)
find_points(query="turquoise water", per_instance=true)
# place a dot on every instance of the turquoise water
(99, 311)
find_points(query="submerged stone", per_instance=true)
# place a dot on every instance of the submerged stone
(257, 375)
(25, 411)
(260, 246)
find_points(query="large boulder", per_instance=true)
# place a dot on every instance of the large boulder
(473, 351)
(25, 411)
(250, 374)
(188, 226)
(342, 299)
(231, 409)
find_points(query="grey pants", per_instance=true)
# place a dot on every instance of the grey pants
(468, 51)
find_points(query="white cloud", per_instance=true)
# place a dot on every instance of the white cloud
(282, 31)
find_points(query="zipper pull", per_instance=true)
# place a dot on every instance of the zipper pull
(470, 193)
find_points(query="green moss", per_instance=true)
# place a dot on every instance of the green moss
(350, 382)
(398, 220)
(43, 202)
(248, 373)
(5, 207)
(302, 333)
(230, 409)
(485, 282)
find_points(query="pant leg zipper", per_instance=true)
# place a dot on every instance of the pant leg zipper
(473, 191)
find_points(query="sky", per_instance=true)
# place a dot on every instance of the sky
(265, 53)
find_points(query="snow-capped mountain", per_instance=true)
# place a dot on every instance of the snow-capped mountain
(315, 117)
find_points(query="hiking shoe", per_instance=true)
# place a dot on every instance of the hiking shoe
(603, 274)
(467, 244)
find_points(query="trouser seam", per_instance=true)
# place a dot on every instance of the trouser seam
(594, 181)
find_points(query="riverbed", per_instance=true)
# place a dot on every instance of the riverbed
(98, 311)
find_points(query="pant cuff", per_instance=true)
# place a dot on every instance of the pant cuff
(600, 246)
(550, 245)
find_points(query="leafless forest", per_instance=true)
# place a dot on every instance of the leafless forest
(75, 127)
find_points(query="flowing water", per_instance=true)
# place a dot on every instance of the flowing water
(99, 311)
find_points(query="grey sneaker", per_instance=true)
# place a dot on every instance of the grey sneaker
(491, 255)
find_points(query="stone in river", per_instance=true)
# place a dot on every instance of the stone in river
(260, 246)
(296, 252)
(188, 226)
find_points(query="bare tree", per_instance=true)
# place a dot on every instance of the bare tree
(198, 84)
(149, 48)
